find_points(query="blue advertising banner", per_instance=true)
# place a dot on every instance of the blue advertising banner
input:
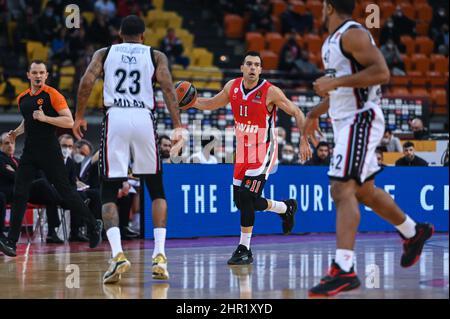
(200, 199)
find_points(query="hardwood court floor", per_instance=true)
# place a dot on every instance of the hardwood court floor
(284, 267)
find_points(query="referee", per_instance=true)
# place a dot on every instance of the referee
(43, 109)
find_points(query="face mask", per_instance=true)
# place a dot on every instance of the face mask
(390, 46)
(390, 25)
(280, 140)
(385, 140)
(78, 158)
(66, 152)
(287, 157)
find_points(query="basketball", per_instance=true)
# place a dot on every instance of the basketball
(186, 94)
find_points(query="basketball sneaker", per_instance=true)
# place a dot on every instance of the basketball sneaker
(118, 265)
(289, 217)
(8, 247)
(159, 267)
(241, 256)
(412, 247)
(335, 281)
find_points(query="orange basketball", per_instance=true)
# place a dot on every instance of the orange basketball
(186, 94)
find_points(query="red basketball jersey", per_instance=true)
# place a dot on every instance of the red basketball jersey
(254, 124)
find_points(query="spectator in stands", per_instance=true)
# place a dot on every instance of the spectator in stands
(172, 46)
(402, 23)
(77, 43)
(410, 158)
(260, 17)
(439, 19)
(60, 48)
(48, 23)
(441, 42)
(281, 136)
(294, 22)
(165, 145)
(321, 157)
(388, 31)
(99, 33)
(445, 156)
(380, 158)
(393, 59)
(420, 132)
(390, 142)
(288, 155)
(7, 90)
(290, 52)
(105, 7)
(127, 7)
(303, 65)
(41, 191)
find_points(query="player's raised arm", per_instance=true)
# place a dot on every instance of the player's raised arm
(216, 102)
(357, 44)
(276, 97)
(164, 78)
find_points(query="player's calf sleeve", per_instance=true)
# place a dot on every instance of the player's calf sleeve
(247, 209)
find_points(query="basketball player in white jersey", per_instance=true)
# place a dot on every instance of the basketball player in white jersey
(351, 89)
(129, 71)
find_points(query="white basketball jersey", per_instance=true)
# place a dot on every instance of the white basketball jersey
(346, 101)
(128, 76)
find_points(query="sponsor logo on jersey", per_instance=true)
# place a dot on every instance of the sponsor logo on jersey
(129, 59)
(247, 128)
(257, 98)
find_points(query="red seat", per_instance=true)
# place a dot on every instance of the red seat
(424, 12)
(408, 42)
(408, 10)
(275, 41)
(255, 41)
(424, 45)
(399, 81)
(234, 26)
(439, 63)
(270, 60)
(439, 97)
(313, 43)
(421, 63)
(278, 7)
(315, 7)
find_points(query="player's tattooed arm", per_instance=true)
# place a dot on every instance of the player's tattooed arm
(216, 102)
(93, 71)
(164, 78)
(357, 43)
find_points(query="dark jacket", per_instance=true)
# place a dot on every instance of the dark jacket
(6, 176)
(417, 161)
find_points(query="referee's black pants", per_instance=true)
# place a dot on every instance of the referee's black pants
(50, 160)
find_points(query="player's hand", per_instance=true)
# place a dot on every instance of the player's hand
(39, 115)
(77, 125)
(177, 142)
(124, 190)
(305, 149)
(323, 85)
(312, 128)
(12, 135)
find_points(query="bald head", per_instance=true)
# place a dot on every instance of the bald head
(7, 144)
(417, 125)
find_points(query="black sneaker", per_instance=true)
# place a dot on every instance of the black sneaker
(95, 235)
(335, 281)
(289, 217)
(8, 247)
(412, 247)
(53, 239)
(241, 256)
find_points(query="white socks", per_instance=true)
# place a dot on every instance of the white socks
(160, 240)
(115, 242)
(277, 207)
(245, 239)
(344, 258)
(407, 228)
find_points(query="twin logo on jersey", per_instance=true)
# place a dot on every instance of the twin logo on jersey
(129, 59)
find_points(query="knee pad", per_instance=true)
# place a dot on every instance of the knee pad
(236, 197)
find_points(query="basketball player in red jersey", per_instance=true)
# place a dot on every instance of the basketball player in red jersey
(254, 103)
